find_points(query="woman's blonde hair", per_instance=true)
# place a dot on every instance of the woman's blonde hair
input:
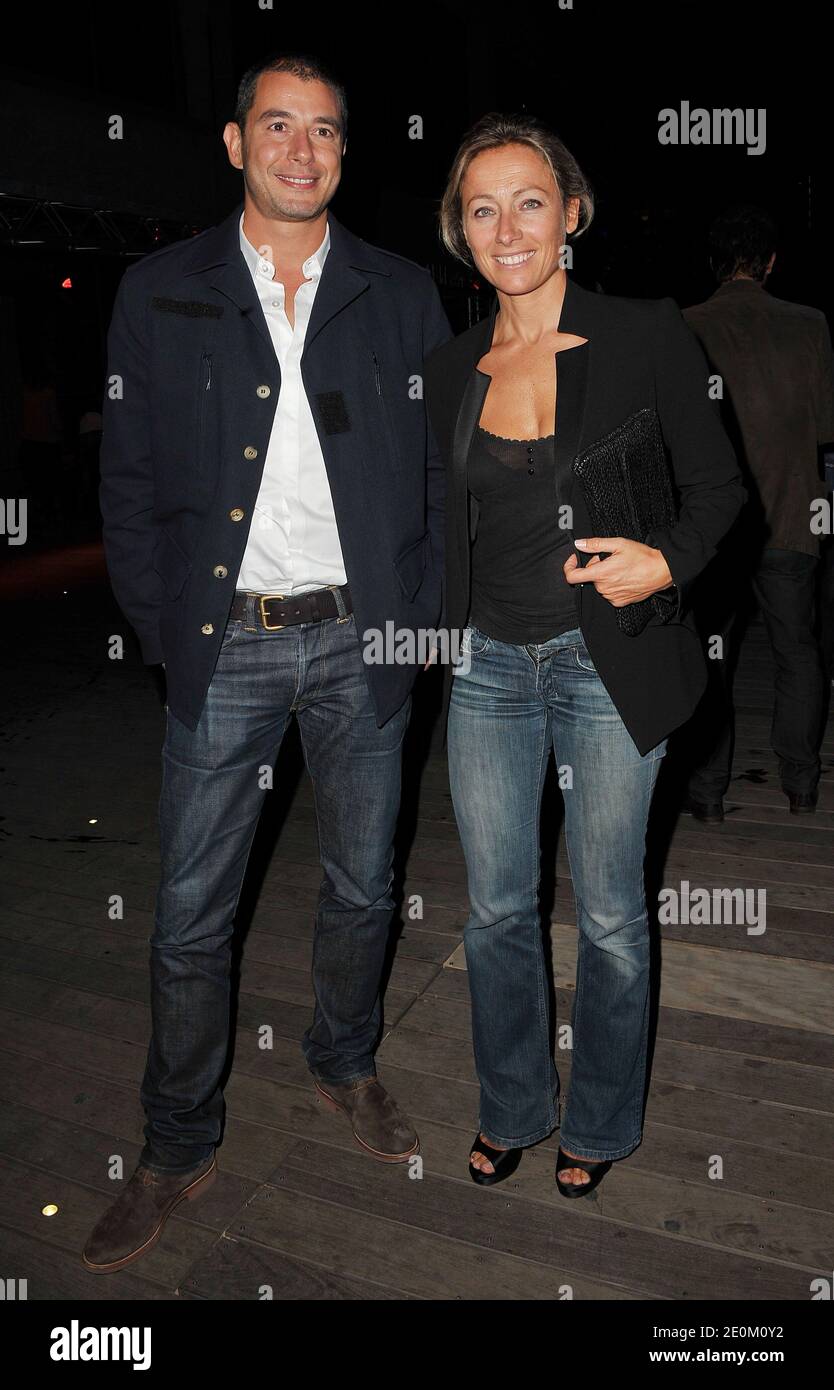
(491, 132)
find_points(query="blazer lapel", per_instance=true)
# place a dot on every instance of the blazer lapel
(341, 278)
(473, 390)
(235, 282)
(577, 382)
(574, 368)
(572, 372)
(220, 259)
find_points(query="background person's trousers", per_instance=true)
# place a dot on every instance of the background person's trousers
(784, 585)
(212, 794)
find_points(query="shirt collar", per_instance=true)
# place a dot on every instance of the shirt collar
(743, 283)
(262, 269)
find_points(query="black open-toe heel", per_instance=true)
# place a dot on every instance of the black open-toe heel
(596, 1172)
(504, 1162)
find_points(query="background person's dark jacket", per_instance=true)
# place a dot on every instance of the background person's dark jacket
(777, 370)
(640, 353)
(190, 343)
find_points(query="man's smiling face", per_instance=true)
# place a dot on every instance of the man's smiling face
(291, 149)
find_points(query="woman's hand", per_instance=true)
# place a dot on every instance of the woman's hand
(632, 572)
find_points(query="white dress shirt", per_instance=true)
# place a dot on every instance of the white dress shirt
(293, 543)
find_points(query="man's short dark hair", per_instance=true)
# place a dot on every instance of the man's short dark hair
(301, 65)
(742, 238)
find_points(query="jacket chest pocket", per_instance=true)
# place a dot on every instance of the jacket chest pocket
(387, 411)
(204, 388)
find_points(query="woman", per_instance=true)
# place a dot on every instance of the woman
(546, 663)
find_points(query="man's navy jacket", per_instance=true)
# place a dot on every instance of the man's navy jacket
(192, 386)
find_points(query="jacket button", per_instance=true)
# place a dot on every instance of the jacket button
(220, 571)
(249, 452)
(236, 514)
(263, 392)
(207, 628)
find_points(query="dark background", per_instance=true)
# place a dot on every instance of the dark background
(76, 205)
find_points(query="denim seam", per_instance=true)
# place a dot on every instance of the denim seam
(595, 1155)
(344, 1080)
(524, 1142)
(577, 1145)
(189, 1167)
(649, 790)
(577, 999)
(544, 1021)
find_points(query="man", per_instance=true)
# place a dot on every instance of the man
(270, 492)
(775, 362)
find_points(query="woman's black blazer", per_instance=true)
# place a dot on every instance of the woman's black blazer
(639, 353)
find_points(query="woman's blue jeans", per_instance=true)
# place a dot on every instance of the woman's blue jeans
(507, 710)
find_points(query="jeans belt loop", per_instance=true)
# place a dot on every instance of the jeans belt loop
(341, 609)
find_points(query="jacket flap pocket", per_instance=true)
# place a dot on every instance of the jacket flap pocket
(410, 566)
(190, 308)
(171, 563)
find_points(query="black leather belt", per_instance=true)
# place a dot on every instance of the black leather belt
(274, 611)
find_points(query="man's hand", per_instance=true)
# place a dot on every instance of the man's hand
(632, 572)
(430, 662)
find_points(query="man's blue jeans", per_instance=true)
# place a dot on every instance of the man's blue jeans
(213, 785)
(506, 712)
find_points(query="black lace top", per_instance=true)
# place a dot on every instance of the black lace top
(519, 591)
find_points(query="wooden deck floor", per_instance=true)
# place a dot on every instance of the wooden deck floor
(743, 1064)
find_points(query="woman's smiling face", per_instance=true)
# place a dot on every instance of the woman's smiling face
(513, 217)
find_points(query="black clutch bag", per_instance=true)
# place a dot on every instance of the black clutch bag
(628, 491)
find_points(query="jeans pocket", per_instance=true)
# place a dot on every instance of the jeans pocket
(583, 657)
(473, 641)
(233, 629)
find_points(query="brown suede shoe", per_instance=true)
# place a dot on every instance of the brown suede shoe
(133, 1224)
(381, 1129)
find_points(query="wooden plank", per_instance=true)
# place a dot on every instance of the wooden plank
(251, 1146)
(49, 1148)
(712, 1212)
(114, 1056)
(37, 987)
(730, 1074)
(711, 979)
(443, 1013)
(709, 1119)
(642, 1261)
(58, 1275)
(79, 1209)
(427, 1264)
(290, 979)
(664, 1187)
(237, 1270)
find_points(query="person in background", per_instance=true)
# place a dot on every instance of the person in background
(775, 362)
